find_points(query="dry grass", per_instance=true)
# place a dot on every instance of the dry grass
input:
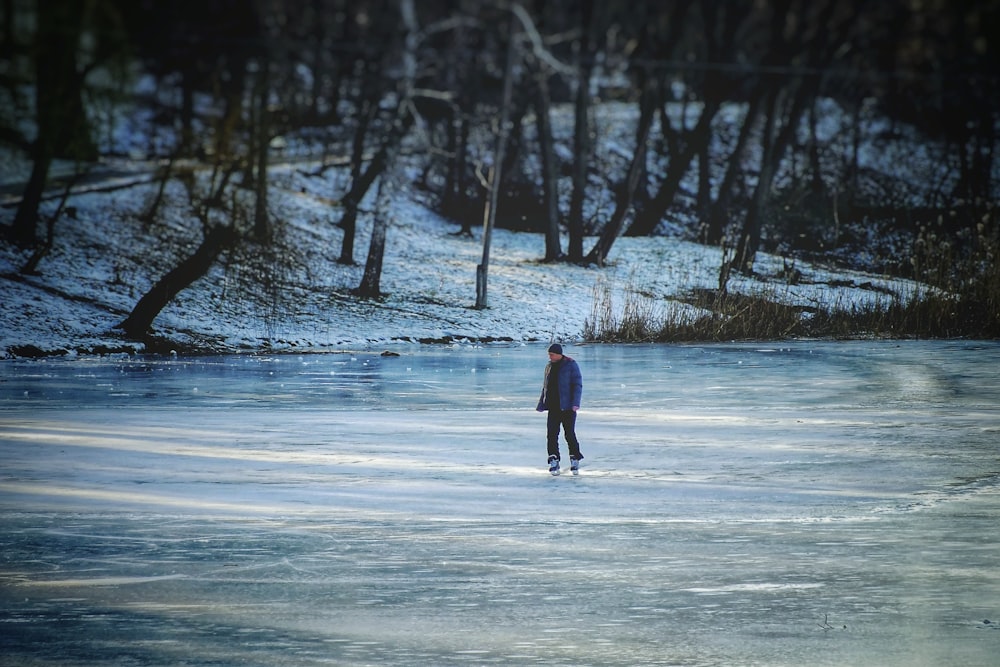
(960, 269)
(723, 316)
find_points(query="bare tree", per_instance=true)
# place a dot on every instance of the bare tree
(361, 178)
(382, 167)
(495, 171)
(262, 136)
(782, 121)
(718, 212)
(216, 238)
(30, 268)
(686, 145)
(371, 278)
(550, 176)
(626, 192)
(233, 151)
(60, 121)
(582, 148)
(544, 65)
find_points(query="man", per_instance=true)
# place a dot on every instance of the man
(562, 389)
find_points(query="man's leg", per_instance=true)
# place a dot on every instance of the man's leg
(554, 420)
(569, 430)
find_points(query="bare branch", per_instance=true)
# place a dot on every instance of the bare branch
(537, 43)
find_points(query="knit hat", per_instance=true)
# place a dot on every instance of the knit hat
(555, 348)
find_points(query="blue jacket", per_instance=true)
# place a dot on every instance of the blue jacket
(570, 385)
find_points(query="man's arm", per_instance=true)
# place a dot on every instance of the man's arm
(576, 383)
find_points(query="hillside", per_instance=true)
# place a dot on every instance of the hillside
(298, 298)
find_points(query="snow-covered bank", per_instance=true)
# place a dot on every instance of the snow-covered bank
(105, 258)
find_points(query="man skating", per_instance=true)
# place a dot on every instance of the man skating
(562, 389)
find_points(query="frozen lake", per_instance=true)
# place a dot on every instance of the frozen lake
(813, 503)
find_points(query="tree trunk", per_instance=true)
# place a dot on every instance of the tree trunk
(372, 277)
(262, 222)
(371, 280)
(815, 169)
(233, 88)
(774, 147)
(581, 135)
(319, 48)
(749, 239)
(719, 211)
(61, 123)
(455, 196)
(139, 322)
(495, 174)
(380, 166)
(154, 207)
(187, 146)
(550, 176)
(363, 181)
(30, 267)
(23, 231)
(613, 229)
(773, 152)
(704, 201)
(648, 219)
(461, 167)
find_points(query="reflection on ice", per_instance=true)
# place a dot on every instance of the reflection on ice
(810, 503)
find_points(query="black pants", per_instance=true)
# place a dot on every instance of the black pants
(566, 419)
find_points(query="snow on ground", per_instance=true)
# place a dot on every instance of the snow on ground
(105, 258)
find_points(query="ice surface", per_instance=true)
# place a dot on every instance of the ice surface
(821, 503)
